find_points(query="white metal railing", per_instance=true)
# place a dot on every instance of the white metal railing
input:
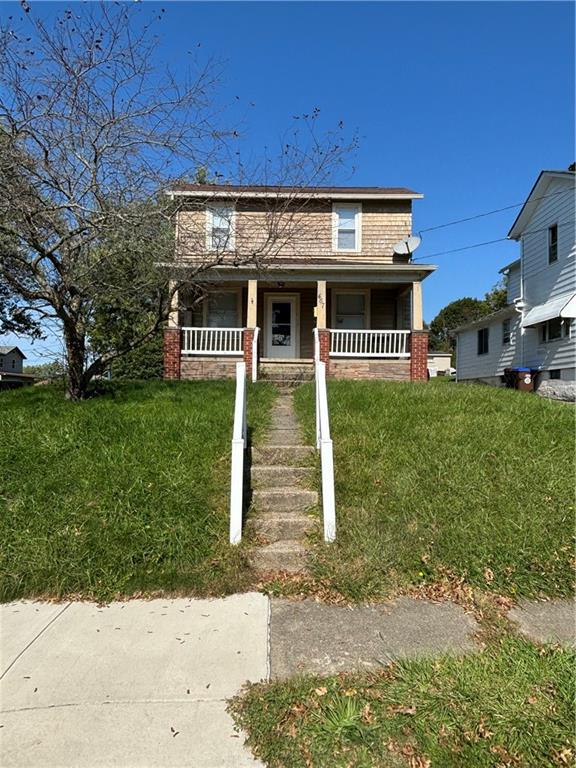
(369, 343)
(212, 341)
(324, 444)
(238, 448)
(255, 354)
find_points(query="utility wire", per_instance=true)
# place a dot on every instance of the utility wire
(487, 242)
(490, 213)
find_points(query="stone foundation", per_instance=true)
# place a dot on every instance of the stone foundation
(198, 367)
(354, 368)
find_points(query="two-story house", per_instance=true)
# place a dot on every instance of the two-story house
(280, 274)
(536, 329)
(11, 375)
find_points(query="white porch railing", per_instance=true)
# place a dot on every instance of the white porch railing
(324, 444)
(369, 343)
(212, 341)
(238, 448)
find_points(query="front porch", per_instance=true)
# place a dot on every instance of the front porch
(359, 330)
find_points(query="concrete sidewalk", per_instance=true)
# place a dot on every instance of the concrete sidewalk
(134, 684)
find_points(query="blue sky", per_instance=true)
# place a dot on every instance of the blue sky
(465, 102)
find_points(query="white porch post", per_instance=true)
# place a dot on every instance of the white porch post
(252, 308)
(416, 313)
(321, 304)
(173, 314)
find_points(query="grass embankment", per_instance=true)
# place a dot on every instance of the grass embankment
(511, 705)
(469, 481)
(122, 493)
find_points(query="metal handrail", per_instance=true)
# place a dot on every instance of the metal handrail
(238, 447)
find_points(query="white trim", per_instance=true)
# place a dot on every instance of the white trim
(357, 207)
(366, 292)
(269, 297)
(231, 244)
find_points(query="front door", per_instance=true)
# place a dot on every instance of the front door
(281, 326)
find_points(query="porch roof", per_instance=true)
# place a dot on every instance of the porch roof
(353, 272)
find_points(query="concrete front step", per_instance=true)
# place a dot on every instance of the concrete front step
(282, 526)
(283, 437)
(283, 500)
(284, 421)
(281, 454)
(287, 556)
(278, 475)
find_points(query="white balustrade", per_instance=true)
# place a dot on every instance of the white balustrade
(369, 343)
(212, 341)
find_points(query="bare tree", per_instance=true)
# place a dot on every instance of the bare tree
(90, 134)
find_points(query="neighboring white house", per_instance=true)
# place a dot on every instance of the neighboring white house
(440, 362)
(536, 329)
(11, 375)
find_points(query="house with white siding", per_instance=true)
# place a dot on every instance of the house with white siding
(536, 328)
(11, 374)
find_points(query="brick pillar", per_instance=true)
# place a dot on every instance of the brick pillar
(171, 353)
(324, 342)
(419, 356)
(247, 341)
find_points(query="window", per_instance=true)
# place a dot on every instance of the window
(13, 362)
(350, 311)
(346, 227)
(483, 341)
(1, 363)
(555, 374)
(551, 330)
(506, 332)
(222, 310)
(221, 227)
(552, 243)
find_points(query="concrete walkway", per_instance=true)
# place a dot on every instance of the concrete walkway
(140, 683)
(144, 684)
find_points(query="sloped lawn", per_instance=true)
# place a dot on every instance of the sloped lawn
(445, 478)
(510, 705)
(125, 492)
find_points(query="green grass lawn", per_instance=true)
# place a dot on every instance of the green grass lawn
(511, 705)
(124, 492)
(447, 478)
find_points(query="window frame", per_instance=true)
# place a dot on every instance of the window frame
(355, 292)
(506, 332)
(357, 207)
(211, 209)
(206, 306)
(565, 330)
(480, 345)
(553, 245)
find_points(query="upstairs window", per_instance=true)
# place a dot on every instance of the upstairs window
(346, 227)
(553, 244)
(506, 332)
(483, 341)
(221, 227)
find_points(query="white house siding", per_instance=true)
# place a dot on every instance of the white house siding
(543, 281)
(489, 367)
(513, 283)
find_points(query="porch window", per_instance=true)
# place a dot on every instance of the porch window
(221, 227)
(222, 310)
(350, 311)
(346, 227)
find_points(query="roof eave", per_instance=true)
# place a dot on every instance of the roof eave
(309, 195)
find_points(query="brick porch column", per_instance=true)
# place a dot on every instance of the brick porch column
(171, 353)
(419, 356)
(324, 342)
(247, 341)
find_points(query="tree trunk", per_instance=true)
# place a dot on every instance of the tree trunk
(75, 359)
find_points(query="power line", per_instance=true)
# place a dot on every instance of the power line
(490, 213)
(487, 242)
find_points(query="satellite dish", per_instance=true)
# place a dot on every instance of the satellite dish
(407, 246)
